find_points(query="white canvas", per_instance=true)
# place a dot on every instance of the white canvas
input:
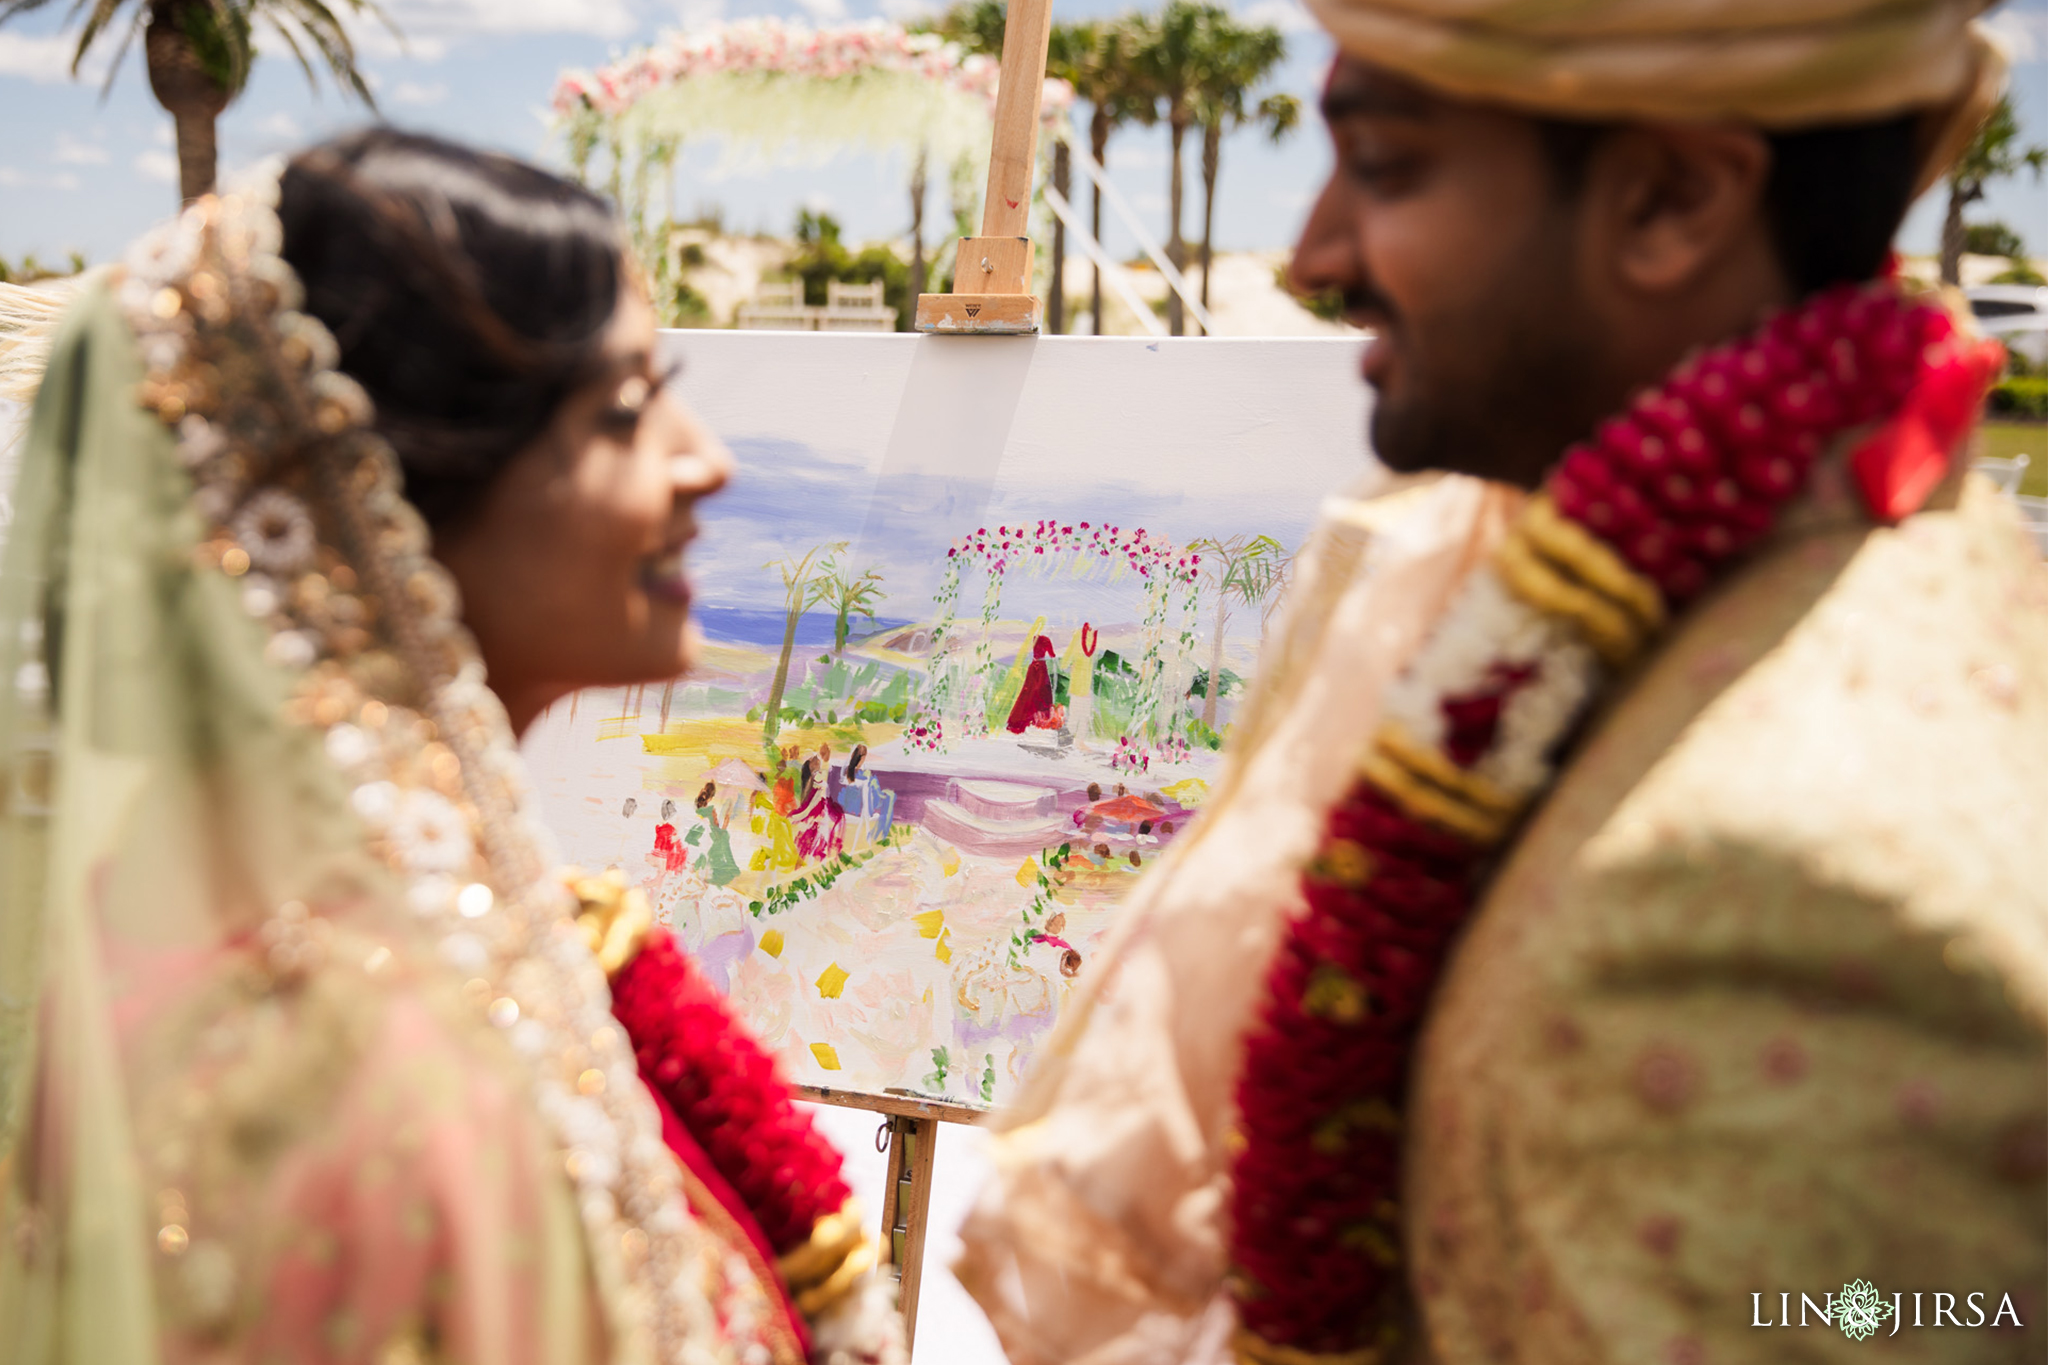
(1055, 528)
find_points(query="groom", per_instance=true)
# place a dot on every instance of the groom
(1726, 992)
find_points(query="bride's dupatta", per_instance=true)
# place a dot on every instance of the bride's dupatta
(301, 1056)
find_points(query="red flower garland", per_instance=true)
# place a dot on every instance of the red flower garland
(1690, 477)
(728, 1093)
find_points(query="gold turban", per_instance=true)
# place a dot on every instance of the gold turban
(1776, 64)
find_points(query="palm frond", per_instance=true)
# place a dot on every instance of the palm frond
(103, 12)
(135, 26)
(298, 53)
(323, 29)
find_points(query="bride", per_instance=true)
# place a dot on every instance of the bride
(307, 1049)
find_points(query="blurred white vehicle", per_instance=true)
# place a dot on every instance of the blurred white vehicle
(2016, 314)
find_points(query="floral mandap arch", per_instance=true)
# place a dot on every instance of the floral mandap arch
(956, 698)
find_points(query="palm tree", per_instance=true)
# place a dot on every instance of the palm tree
(803, 587)
(1174, 61)
(1240, 59)
(849, 594)
(1992, 155)
(1251, 571)
(1104, 74)
(198, 53)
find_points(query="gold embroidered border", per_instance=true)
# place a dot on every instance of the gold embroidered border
(1252, 1349)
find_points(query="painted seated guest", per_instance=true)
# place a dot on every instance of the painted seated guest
(865, 799)
(1626, 908)
(304, 1050)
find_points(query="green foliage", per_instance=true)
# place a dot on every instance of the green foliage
(976, 26)
(221, 33)
(1050, 875)
(1994, 154)
(988, 1078)
(1230, 683)
(1328, 305)
(822, 258)
(220, 40)
(814, 881)
(935, 1079)
(1993, 239)
(2021, 396)
(1201, 735)
(29, 270)
(2020, 273)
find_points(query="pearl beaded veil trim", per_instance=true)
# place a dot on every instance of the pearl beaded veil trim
(302, 504)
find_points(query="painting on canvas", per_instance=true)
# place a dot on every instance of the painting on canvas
(978, 614)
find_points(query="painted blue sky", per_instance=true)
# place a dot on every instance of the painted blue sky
(80, 173)
(797, 497)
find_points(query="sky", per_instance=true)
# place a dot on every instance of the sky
(86, 173)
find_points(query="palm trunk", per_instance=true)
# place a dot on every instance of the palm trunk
(1952, 232)
(193, 99)
(1215, 686)
(771, 724)
(916, 230)
(1062, 180)
(1098, 144)
(1176, 248)
(1212, 162)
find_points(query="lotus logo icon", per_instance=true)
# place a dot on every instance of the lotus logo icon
(1859, 1312)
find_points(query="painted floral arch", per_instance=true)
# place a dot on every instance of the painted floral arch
(955, 701)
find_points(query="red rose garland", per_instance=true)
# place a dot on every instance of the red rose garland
(728, 1093)
(1689, 478)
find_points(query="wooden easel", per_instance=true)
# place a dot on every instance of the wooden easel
(913, 1125)
(992, 273)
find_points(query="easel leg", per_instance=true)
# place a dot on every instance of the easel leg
(906, 1201)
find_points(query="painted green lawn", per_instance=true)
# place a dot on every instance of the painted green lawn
(2003, 440)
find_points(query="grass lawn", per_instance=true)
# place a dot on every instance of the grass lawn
(2003, 440)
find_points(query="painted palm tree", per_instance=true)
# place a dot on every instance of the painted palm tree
(1175, 60)
(198, 53)
(1245, 570)
(1240, 58)
(849, 594)
(804, 586)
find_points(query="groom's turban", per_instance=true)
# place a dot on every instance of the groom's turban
(1775, 64)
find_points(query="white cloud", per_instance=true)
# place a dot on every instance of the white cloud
(1289, 16)
(417, 93)
(419, 19)
(64, 180)
(158, 166)
(824, 11)
(10, 177)
(2025, 33)
(700, 14)
(72, 152)
(903, 11)
(281, 126)
(47, 60)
